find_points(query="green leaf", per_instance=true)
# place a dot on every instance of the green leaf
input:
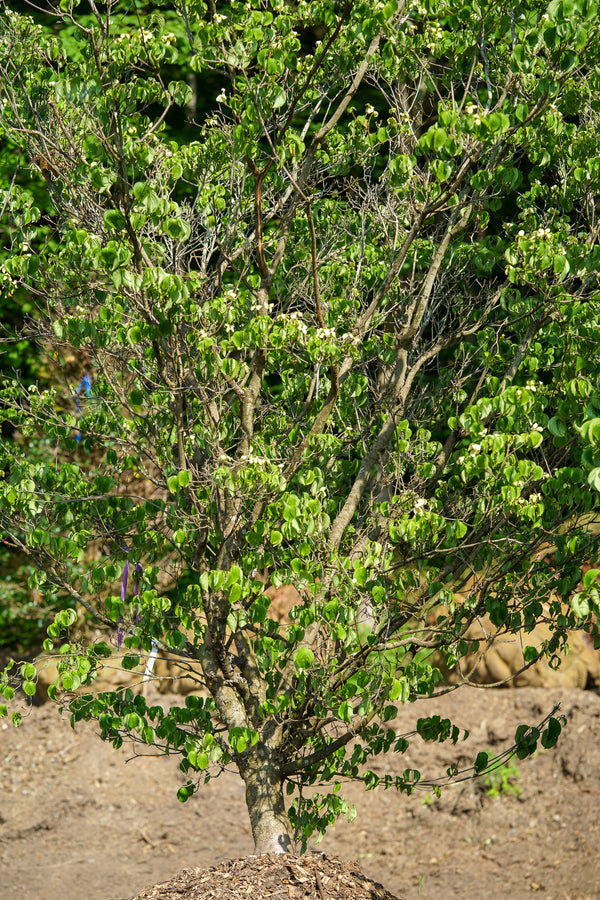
(130, 662)
(442, 170)
(551, 734)
(234, 575)
(591, 430)
(360, 575)
(557, 427)
(279, 98)
(304, 658)
(136, 398)
(183, 478)
(399, 690)
(110, 256)
(580, 605)
(235, 595)
(560, 265)
(521, 112)
(440, 137)
(481, 762)
(346, 711)
(114, 219)
(590, 578)
(181, 92)
(331, 610)
(185, 792)
(178, 229)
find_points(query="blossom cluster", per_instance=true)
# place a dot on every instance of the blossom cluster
(542, 233)
(261, 461)
(471, 110)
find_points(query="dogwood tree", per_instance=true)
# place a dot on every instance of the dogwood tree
(345, 337)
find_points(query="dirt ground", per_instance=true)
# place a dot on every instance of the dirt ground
(81, 820)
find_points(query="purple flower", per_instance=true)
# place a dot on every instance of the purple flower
(124, 582)
(85, 388)
(138, 572)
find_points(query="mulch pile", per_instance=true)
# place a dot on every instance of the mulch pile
(271, 877)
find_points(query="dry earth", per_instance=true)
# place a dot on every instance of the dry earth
(81, 820)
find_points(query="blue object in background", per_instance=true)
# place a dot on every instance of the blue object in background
(85, 387)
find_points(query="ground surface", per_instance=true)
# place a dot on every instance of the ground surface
(77, 820)
(314, 876)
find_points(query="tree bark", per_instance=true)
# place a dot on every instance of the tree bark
(262, 776)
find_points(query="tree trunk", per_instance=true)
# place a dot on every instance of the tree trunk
(271, 828)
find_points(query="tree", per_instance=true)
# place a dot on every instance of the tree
(345, 339)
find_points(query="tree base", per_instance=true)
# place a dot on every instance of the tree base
(311, 877)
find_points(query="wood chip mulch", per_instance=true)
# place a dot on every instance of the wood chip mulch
(271, 877)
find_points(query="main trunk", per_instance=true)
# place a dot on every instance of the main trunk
(264, 798)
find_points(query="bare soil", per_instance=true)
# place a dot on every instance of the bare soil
(81, 820)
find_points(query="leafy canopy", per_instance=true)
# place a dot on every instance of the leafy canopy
(345, 337)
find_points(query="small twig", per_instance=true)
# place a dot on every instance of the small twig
(190, 36)
(320, 886)
(12, 184)
(486, 68)
(313, 253)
